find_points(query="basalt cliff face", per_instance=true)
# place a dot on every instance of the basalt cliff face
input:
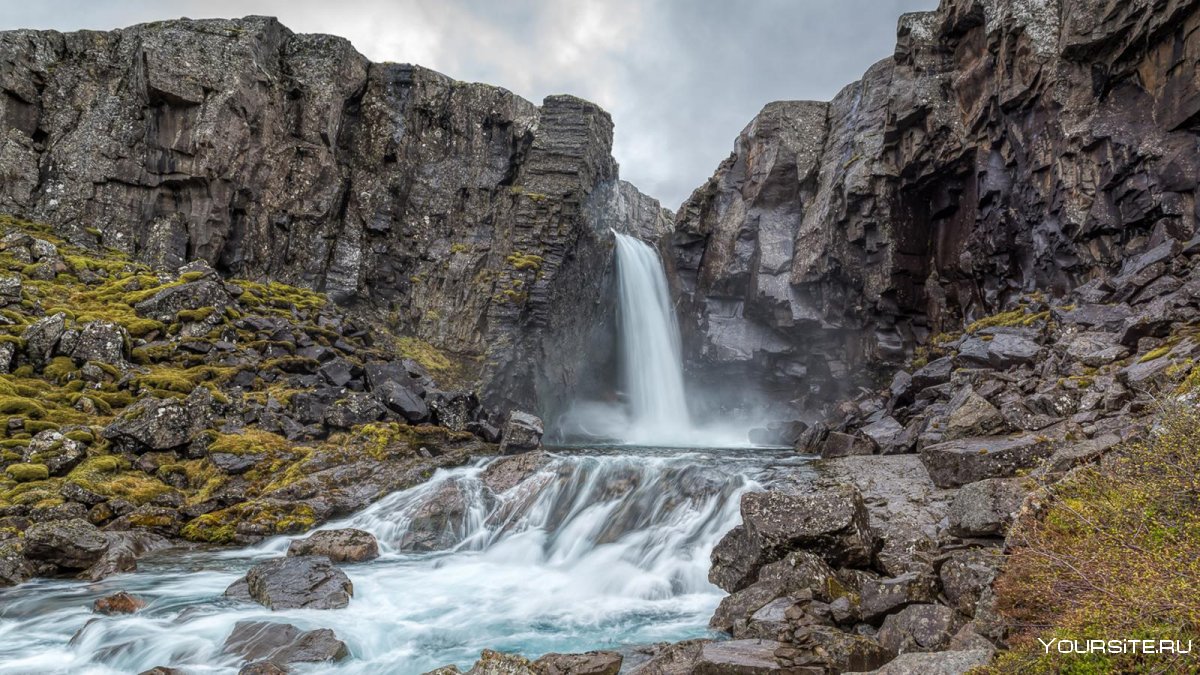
(460, 213)
(1007, 146)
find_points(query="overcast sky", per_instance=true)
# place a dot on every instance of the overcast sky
(680, 77)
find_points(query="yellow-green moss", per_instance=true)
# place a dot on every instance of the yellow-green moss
(1155, 354)
(525, 261)
(1016, 318)
(14, 405)
(25, 473)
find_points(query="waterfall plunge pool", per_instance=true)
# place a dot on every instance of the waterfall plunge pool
(598, 549)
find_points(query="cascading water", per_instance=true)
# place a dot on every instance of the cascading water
(651, 360)
(590, 551)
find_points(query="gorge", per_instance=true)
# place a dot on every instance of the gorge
(333, 365)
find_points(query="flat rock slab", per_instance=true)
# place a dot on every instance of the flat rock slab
(737, 657)
(346, 545)
(933, 663)
(956, 463)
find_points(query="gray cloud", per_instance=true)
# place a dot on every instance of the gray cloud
(680, 77)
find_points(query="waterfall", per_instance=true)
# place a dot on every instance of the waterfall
(651, 359)
(561, 553)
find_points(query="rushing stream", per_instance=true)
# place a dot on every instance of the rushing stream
(597, 549)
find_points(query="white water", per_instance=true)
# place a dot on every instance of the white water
(593, 551)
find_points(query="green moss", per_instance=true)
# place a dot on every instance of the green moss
(194, 315)
(142, 327)
(13, 405)
(1155, 354)
(525, 261)
(1016, 318)
(59, 369)
(25, 473)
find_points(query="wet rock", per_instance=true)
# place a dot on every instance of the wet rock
(736, 560)
(588, 663)
(1095, 349)
(283, 644)
(966, 574)
(972, 415)
(823, 649)
(506, 472)
(497, 663)
(1000, 351)
(890, 436)
(738, 657)
(124, 549)
(73, 544)
(799, 574)
(838, 444)
(522, 432)
(453, 409)
(986, 508)
(163, 670)
(435, 524)
(933, 663)
(263, 668)
(118, 603)
(831, 523)
(1105, 318)
(958, 462)
(347, 545)
(310, 582)
(919, 628)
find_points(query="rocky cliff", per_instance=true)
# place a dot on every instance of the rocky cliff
(1007, 146)
(459, 213)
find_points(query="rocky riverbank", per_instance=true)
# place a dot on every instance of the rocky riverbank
(144, 409)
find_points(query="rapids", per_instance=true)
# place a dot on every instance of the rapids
(599, 549)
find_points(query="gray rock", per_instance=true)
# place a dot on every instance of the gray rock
(14, 567)
(967, 460)
(101, 341)
(402, 400)
(152, 424)
(522, 432)
(283, 643)
(505, 473)
(1096, 349)
(165, 304)
(587, 663)
(919, 628)
(738, 657)
(346, 545)
(352, 410)
(999, 350)
(310, 582)
(933, 373)
(436, 524)
(933, 663)
(736, 560)
(41, 337)
(59, 453)
(890, 436)
(972, 415)
(987, 507)
(966, 574)
(838, 444)
(73, 544)
(880, 597)
(832, 523)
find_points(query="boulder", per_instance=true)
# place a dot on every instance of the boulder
(933, 373)
(831, 523)
(890, 436)
(998, 350)
(933, 663)
(522, 432)
(1095, 349)
(588, 663)
(504, 473)
(402, 400)
(283, 643)
(165, 304)
(53, 449)
(972, 415)
(880, 597)
(352, 410)
(737, 657)
(736, 560)
(823, 649)
(14, 567)
(966, 574)
(838, 444)
(118, 603)
(310, 582)
(102, 342)
(919, 628)
(42, 336)
(347, 545)
(124, 549)
(958, 462)
(435, 524)
(152, 424)
(73, 544)
(1105, 318)
(986, 508)
(454, 409)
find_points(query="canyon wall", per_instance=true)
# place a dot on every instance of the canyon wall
(1007, 146)
(459, 213)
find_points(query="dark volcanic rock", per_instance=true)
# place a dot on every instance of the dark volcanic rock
(522, 432)
(956, 463)
(310, 582)
(919, 628)
(70, 544)
(833, 524)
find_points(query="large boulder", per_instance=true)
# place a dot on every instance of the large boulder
(934, 663)
(958, 462)
(880, 597)
(309, 582)
(986, 507)
(41, 337)
(522, 432)
(152, 424)
(282, 644)
(354, 409)
(831, 523)
(53, 449)
(965, 576)
(736, 560)
(972, 415)
(919, 628)
(838, 444)
(738, 657)
(402, 400)
(588, 663)
(73, 544)
(933, 373)
(101, 341)
(165, 304)
(347, 545)
(1000, 350)
(435, 524)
